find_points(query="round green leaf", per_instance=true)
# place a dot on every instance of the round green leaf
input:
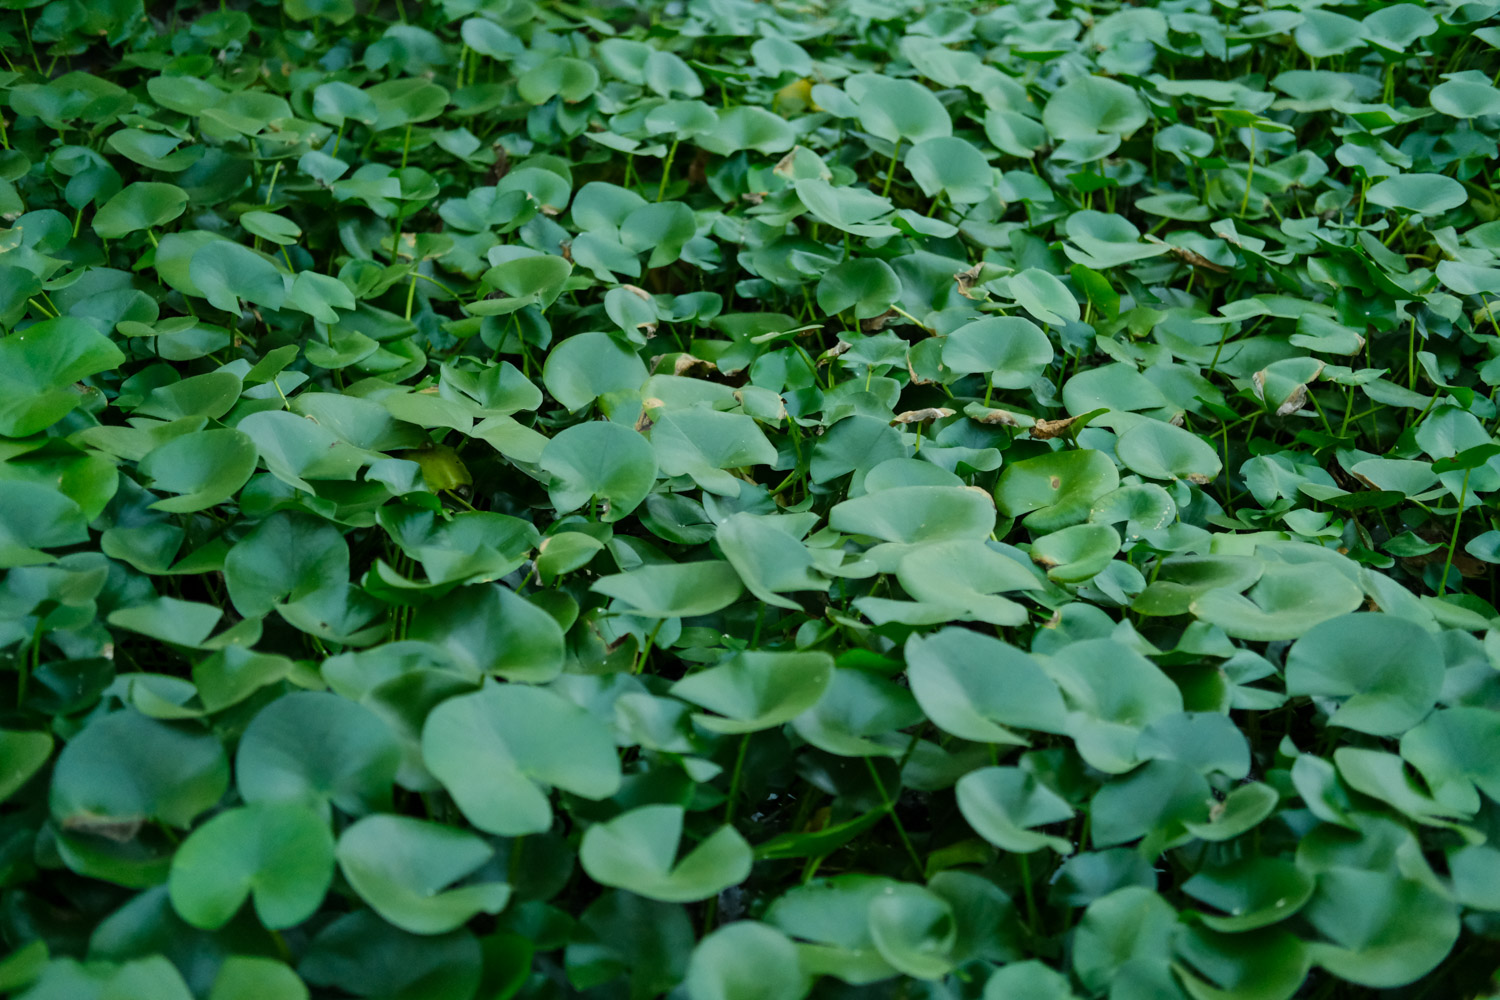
(602, 461)
(1002, 804)
(1088, 105)
(403, 868)
(637, 851)
(315, 747)
(497, 751)
(1420, 194)
(745, 960)
(1010, 351)
(674, 590)
(751, 691)
(494, 631)
(978, 688)
(22, 754)
(1076, 553)
(1158, 450)
(951, 166)
(281, 855)
(893, 109)
(1386, 671)
(124, 769)
(143, 205)
(867, 284)
(1057, 489)
(39, 367)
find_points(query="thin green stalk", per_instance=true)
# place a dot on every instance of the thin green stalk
(890, 808)
(666, 170)
(1249, 175)
(890, 175)
(1463, 496)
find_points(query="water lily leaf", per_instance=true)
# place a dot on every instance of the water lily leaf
(958, 576)
(599, 461)
(1010, 351)
(297, 449)
(497, 750)
(560, 76)
(1158, 801)
(1286, 601)
(1386, 671)
(663, 228)
(769, 560)
(1028, 979)
(249, 977)
(745, 960)
(1242, 810)
(917, 514)
(1057, 489)
(34, 517)
(1397, 27)
(1158, 450)
(751, 691)
(703, 444)
(23, 754)
(1383, 776)
(1324, 33)
(1088, 105)
(225, 272)
(493, 630)
(1251, 893)
(361, 954)
(893, 109)
(865, 284)
(403, 867)
(585, 367)
(1003, 804)
(280, 855)
(914, 929)
(953, 167)
(285, 557)
(39, 369)
(1422, 194)
(1128, 924)
(674, 590)
(1262, 965)
(525, 277)
(859, 715)
(314, 747)
(637, 851)
(143, 205)
(1455, 751)
(1466, 98)
(979, 688)
(126, 769)
(1112, 694)
(1044, 296)
(747, 127)
(1381, 930)
(1076, 553)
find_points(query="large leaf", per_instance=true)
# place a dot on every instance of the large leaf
(637, 851)
(499, 749)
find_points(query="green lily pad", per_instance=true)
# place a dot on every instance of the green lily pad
(637, 851)
(404, 868)
(751, 691)
(1003, 804)
(1386, 671)
(280, 855)
(498, 749)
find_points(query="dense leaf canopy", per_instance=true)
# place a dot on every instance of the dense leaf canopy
(748, 500)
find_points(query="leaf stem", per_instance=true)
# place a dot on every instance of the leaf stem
(1463, 496)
